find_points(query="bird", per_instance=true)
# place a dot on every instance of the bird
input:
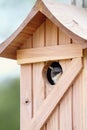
(54, 71)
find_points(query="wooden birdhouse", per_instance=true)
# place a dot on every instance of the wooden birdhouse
(50, 46)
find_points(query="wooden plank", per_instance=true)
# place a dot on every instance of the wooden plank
(51, 40)
(66, 102)
(84, 92)
(48, 53)
(78, 103)
(58, 92)
(66, 111)
(80, 99)
(26, 92)
(26, 97)
(38, 82)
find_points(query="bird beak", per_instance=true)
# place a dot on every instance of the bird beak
(51, 67)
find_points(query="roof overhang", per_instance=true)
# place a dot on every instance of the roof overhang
(70, 19)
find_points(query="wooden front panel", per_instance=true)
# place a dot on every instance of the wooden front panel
(34, 89)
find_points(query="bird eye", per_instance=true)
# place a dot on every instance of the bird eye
(53, 72)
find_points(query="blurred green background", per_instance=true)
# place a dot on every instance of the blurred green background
(12, 14)
(9, 105)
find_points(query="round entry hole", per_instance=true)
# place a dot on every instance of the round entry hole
(52, 72)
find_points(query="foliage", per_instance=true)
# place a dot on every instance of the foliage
(9, 105)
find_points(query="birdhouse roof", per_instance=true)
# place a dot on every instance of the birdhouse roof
(72, 20)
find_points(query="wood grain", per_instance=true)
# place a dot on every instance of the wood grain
(66, 102)
(51, 40)
(79, 100)
(38, 82)
(84, 92)
(26, 92)
(72, 21)
(59, 52)
(58, 92)
(78, 104)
